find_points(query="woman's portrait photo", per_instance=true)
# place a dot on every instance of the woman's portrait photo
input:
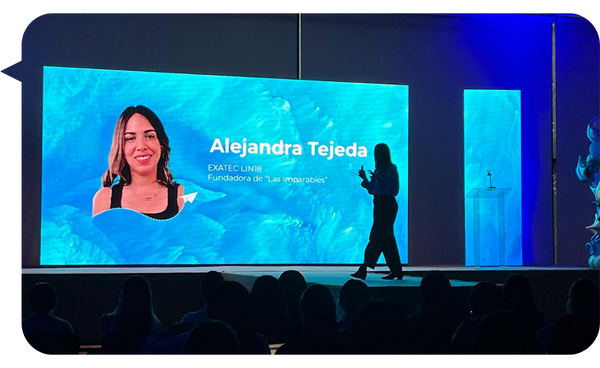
(138, 175)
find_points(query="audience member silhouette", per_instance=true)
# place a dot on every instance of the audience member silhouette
(584, 299)
(208, 283)
(505, 332)
(353, 294)
(320, 334)
(230, 304)
(501, 321)
(268, 309)
(172, 339)
(42, 332)
(576, 331)
(575, 335)
(212, 337)
(485, 297)
(519, 298)
(435, 320)
(134, 311)
(381, 327)
(42, 321)
(293, 285)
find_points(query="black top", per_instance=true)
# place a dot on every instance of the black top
(171, 210)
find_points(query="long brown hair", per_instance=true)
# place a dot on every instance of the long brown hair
(118, 166)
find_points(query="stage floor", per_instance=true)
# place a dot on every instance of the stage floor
(328, 275)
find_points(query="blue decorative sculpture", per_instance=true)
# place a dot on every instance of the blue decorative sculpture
(588, 173)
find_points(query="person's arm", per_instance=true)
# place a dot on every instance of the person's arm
(368, 185)
(101, 200)
(180, 192)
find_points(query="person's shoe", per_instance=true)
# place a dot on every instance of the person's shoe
(361, 273)
(392, 276)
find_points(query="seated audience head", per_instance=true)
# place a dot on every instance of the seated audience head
(135, 295)
(485, 297)
(584, 298)
(292, 284)
(135, 310)
(353, 294)
(435, 292)
(517, 292)
(317, 308)
(44, 331)
(268, 309)
(209, 282)
(229, 303)
(42, 298)
(267, 292)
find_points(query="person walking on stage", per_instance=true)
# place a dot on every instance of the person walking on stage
(384, 186)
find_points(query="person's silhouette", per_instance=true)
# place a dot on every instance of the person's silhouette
(353, 294)
(578, 330)
(125, 330)
(208, 283)
(485, 297)
(572, 334)
(230, 303)
(268, 309)
(134, 311)
(584, 299)
(519, 298)
(43, 330)
(384, 186)
(320, 334)
(293, 285)
(435, 320)
(42, 300)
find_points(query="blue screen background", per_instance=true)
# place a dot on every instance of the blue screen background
(228, 222)
(492, 131)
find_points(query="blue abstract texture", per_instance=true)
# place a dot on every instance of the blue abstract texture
(267, 222)
(492, 141)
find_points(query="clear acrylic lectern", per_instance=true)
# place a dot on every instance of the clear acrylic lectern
(484, 225)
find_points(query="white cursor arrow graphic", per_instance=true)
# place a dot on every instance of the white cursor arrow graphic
(188, 197)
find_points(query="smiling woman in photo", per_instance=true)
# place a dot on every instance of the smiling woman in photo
(138, 175)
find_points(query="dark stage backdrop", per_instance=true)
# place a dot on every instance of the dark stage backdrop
(578, 101)
(437, 56)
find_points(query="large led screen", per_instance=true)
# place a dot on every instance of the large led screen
(266, 168)
(492, 157)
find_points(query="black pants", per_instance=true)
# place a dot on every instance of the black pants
(381, 239)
